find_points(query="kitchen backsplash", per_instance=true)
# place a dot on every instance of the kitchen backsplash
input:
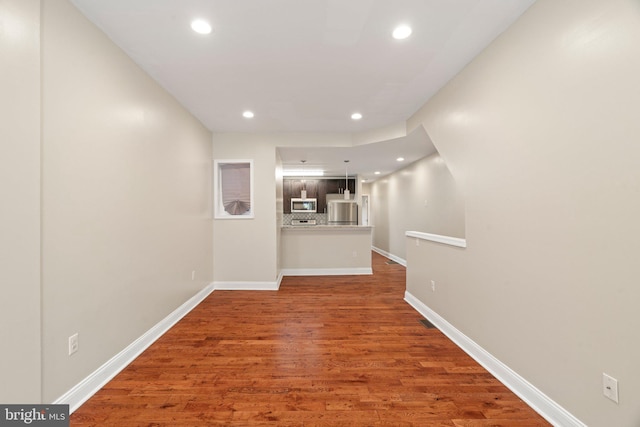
(321, 218)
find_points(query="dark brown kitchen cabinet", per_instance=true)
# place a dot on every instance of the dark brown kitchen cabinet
(336, 186)
(286, 195)
(311, 185)
(333, 186)
(322, 195)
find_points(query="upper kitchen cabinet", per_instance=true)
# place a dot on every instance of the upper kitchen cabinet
(337, 185)
(321, 195)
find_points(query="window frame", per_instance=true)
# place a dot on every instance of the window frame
(218, 207)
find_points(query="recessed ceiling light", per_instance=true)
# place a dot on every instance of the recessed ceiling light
(401, 32)
(376, 173)
(200, 26)
(356, 116)
(400, 159)
(248, 114)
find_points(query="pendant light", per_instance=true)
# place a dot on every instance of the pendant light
(346, 180)
(303, 192)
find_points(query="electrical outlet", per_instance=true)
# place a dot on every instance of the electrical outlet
(417, 242)
(73, 344)
(610, 387)
(355, 254)
(433, 285)
(193, 275)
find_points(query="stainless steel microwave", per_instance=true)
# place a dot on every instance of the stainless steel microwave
(304, 205)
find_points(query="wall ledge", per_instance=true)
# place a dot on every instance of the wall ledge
(447, 240)
(86, 388)
(540, 402)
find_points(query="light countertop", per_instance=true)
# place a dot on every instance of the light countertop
(327, 227)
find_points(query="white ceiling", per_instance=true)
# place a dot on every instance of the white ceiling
(364, 160)
(302, 65)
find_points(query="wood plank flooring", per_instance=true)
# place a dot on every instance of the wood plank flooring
(321, 351)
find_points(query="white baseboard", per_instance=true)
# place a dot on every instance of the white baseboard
(249, 286)
(390, 256)
(535, 398)
(86, 388)
(326, 271)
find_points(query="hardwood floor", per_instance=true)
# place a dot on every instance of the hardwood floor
(321, 351)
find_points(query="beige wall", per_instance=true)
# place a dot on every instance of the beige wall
(326, 248)
(20, 205)
(126, 175)
(423, 196)
(256, 240)
(542, 131)
(244, 250)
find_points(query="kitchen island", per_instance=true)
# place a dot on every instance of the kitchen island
(318, 250)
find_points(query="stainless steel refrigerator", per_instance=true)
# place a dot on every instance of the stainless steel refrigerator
(342, 212)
